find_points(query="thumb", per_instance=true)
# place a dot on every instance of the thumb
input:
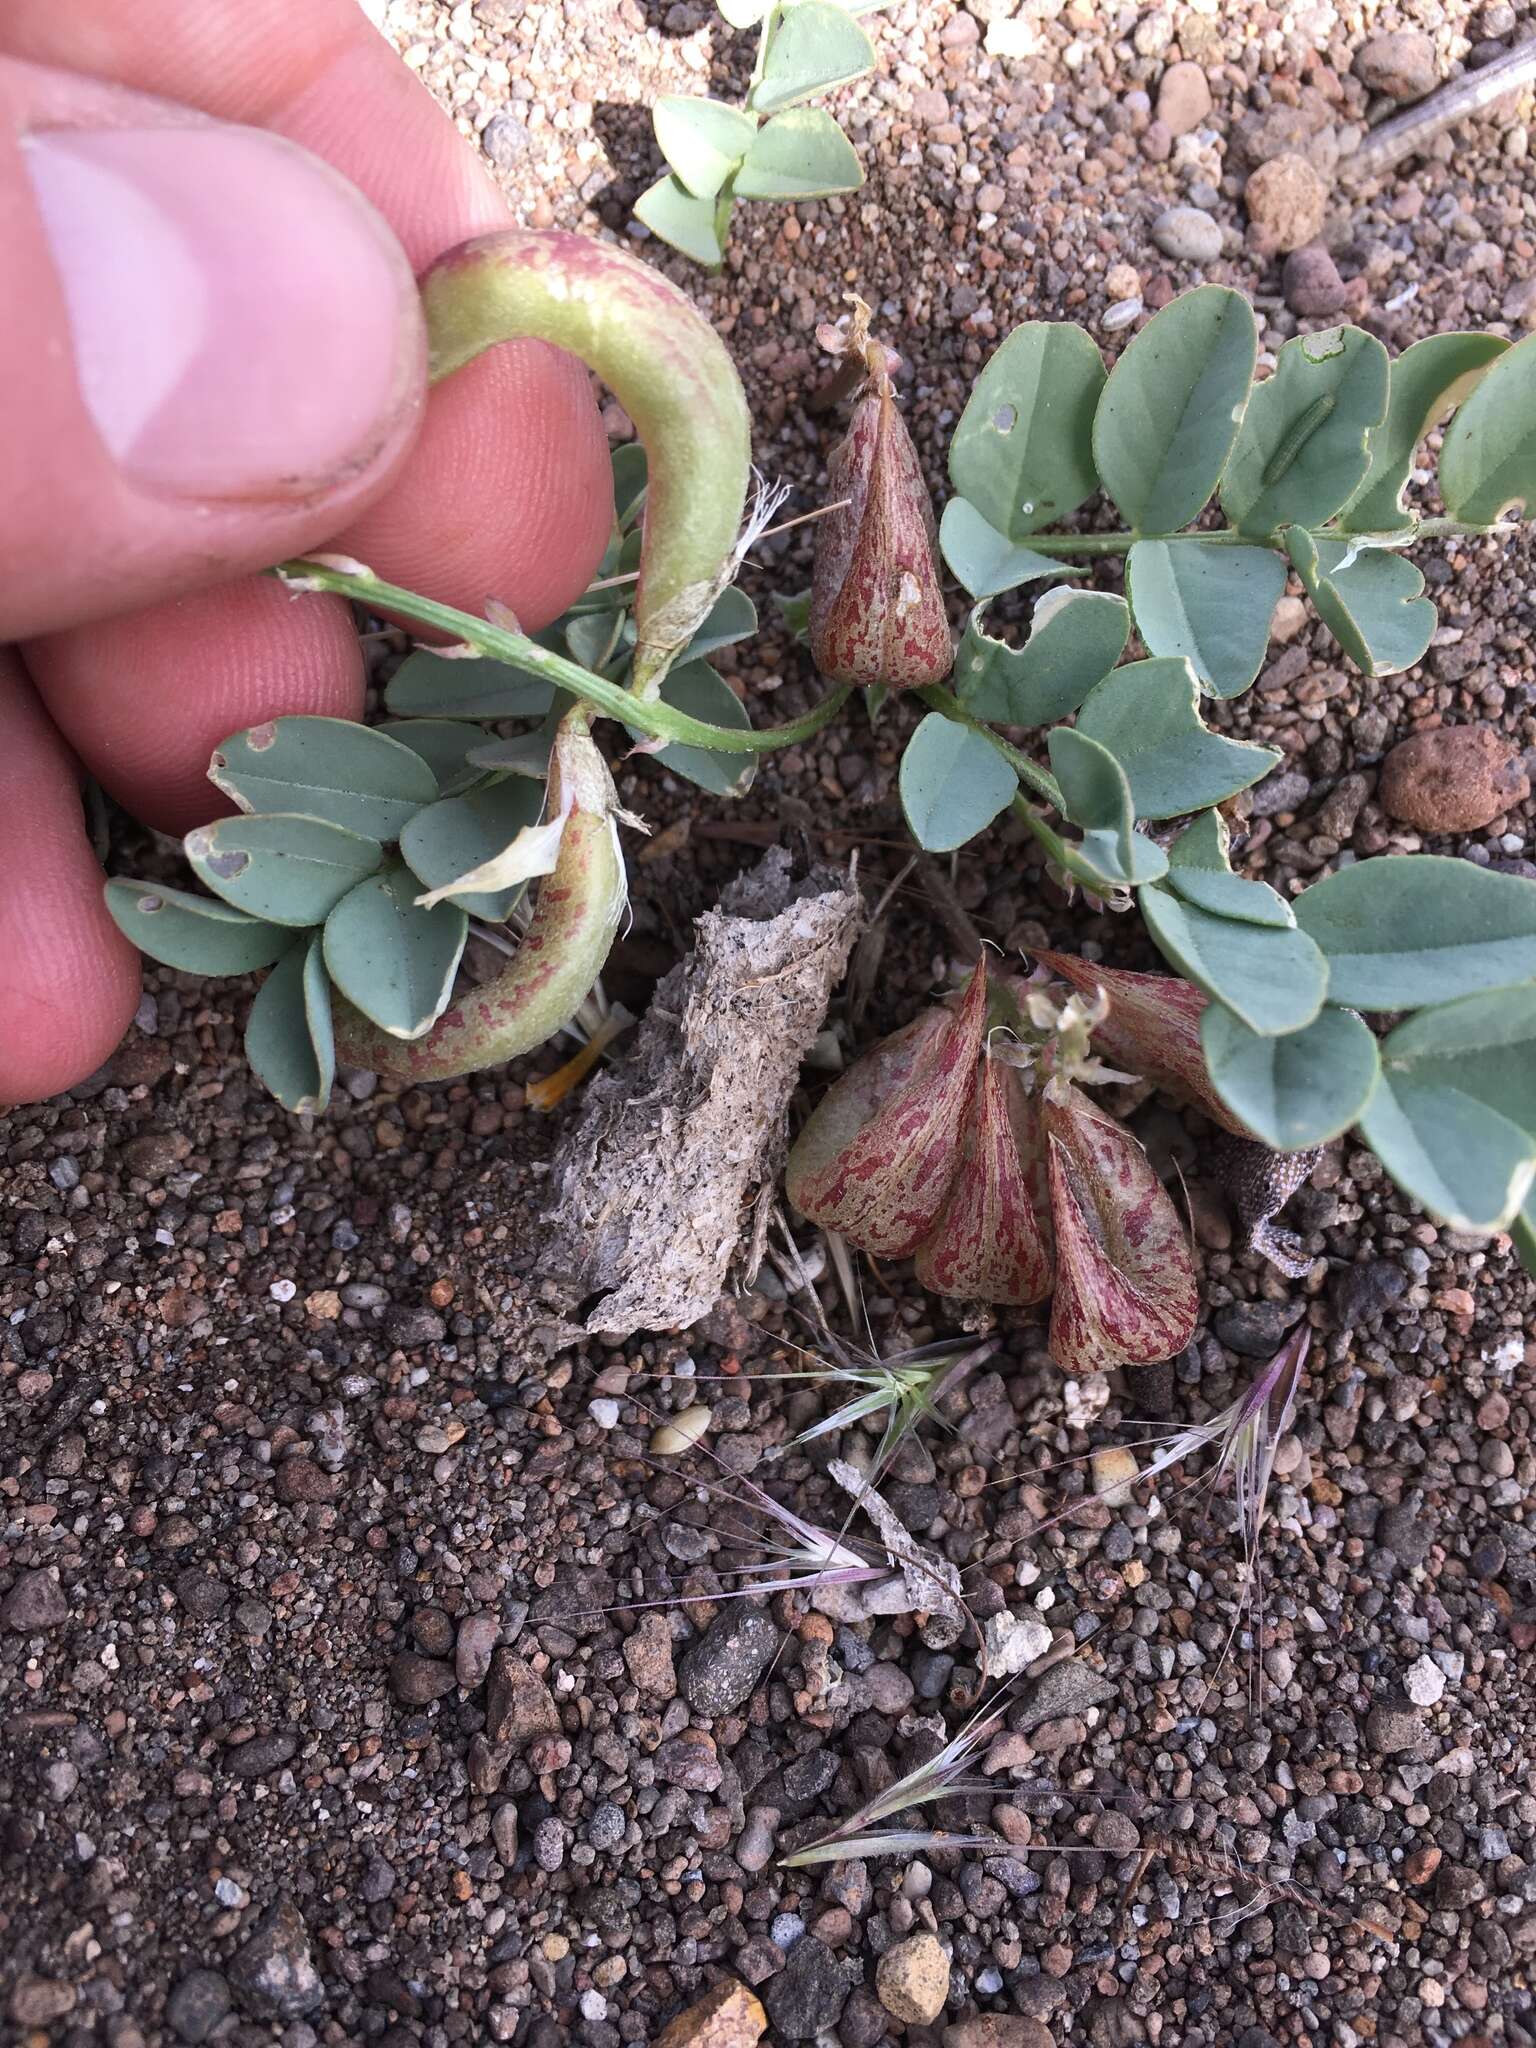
(212, 357)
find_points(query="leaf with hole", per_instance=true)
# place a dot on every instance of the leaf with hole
(702, 692)
(1200, 871)
(1402, 933)
(1171, 409)
(288, 1037)
(1023, 450)
(1208, 601)
(1303, 449)
(1097, 798)
(1469, 1166)
(799, 154)
(390, 958)
(454, 837)
(1147, 714)
(332, 768)
(986, 562)
(953, 783)
(703, 140)
(444, 744)
(1368, 599)
(811, 48)
(1274, 979)
(431, 686)
(1074, 643)
(197, 934)
(1488, 456)
(1427, 383)
(695, 226)
(286, 868)
(1297, 1090)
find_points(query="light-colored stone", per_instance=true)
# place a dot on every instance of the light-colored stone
(1183, 98)
(1013, 1642)
(1287, 203)
(1114, 1471)
(1401, 64)
(1424, 1682)
(682, 1432)
(999, 2030)
(912, 1980)
(1188, 234)
(727, 2016)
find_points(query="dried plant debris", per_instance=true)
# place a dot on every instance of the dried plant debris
(670, 1170)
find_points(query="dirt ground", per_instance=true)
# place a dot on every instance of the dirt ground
(292, 1445)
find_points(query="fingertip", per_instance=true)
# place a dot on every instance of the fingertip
(71, 980)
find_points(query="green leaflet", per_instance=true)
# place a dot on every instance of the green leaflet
(1302, 451)
(1488, 456)
(701, 691)
(1097, 797)
(1274, 980)
(287, 869)
(1022, 453)
(703, 140)
(391, 959)
(631, 473)
(1200, 871)
(1483, 1046)
(429, 685)
(1466, 1164)
(1208, 601)
(1147, 714)
(288, 1036)
(197, 934)
(1368, 598)
(1297, 1090)
(799, 154)
(696, 226)
(444, 744)
(1171, 409)
(1402, 933)
(813, 48)
(986, 561)
(1074, 643)
(953, 783)
(333, 768)
(1427, 382)
(457, 836)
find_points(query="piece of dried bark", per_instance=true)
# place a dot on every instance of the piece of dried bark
(676, 1154)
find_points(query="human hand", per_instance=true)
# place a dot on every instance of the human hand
(212, 359)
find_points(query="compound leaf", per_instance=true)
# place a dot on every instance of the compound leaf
(702, 692)
(444, 744)
(703, 140)
(1199, 870)
(456, 836)
(433, 686)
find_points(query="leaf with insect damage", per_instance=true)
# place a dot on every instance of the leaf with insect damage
(198, 934)
(287, 869)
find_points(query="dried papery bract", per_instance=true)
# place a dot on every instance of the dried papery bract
(992, 1241)
(1152, 1027)
(1126, 1291)
(877, 1158)
(877, 613)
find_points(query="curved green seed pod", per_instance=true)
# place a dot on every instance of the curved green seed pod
(579, 908)
(666, 366)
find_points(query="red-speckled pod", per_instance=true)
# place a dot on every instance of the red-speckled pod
(1126, 1292)
(992, 1242)
(877, 615)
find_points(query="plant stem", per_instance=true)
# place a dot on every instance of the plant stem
(659, 720)
(948, 705)
(1233, 537)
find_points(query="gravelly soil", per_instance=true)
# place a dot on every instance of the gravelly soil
(293, 1448)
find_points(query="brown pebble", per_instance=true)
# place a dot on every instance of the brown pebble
(416, 1680)
(1420, 1865)
(1312, 284)
(300, 1480)
(1286, 201)
(1183, 98)
(727, 2016)
(518, 1704)
(1456, 779)
(1401, 64)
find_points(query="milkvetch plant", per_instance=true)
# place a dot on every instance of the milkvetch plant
(360, 856)
(774, 146)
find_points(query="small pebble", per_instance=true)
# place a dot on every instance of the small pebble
(681, 1433)
(912, 1980)
(1187, 234)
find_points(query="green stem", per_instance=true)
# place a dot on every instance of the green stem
(948, 706)
(1053, 843)
(659, 720)
(1234, 537)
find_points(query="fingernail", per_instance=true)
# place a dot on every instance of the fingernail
(244, 323)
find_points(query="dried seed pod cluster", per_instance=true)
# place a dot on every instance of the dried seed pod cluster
(966, 1143)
